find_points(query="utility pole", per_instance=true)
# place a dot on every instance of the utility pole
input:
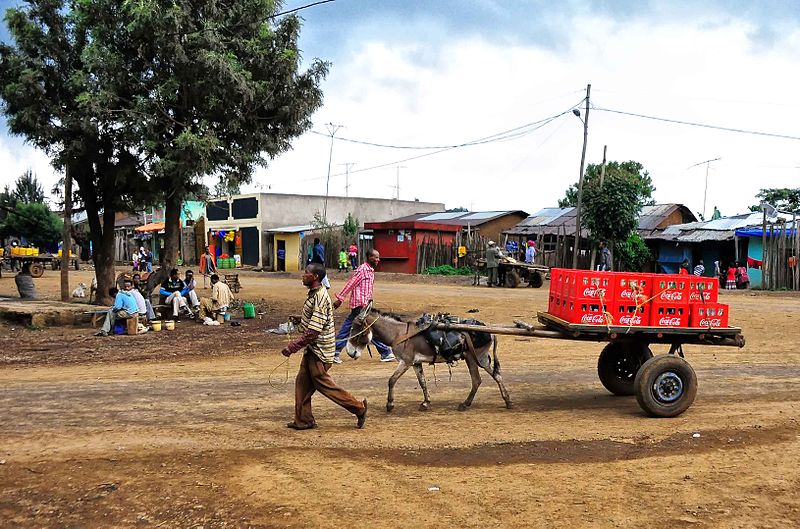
(603, 167)
(705, 188)
(332, 130)
(347, 167)
(580, 179)
(66, 235)
(397, 188)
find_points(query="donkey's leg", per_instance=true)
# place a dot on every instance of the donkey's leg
(402, 367)
(494, 372)
(474, 374)
(426, 403)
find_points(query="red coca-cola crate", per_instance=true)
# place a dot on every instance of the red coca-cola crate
(586, 312)
(557, 281)
(632, 287)
(709, 315)
(707, 286)
(671, 288)
(669, 314)
(587, 284)
(631, 315)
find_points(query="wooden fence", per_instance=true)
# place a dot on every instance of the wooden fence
(780, 254)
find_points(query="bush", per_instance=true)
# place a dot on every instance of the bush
(447, 270)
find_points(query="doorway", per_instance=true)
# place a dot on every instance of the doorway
(281, 255)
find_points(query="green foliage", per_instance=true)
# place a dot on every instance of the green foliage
(27, 189)
(448, 270)
(34, 222)
(784, 199)
(633, 169)
(457, 210)
(320, 223)
(350, 226)
(611, 213)
(7, 204)
(631, 254)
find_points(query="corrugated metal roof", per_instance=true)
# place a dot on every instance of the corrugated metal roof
(458, 218)
(483, 215)
(442, 216)
(291, 229)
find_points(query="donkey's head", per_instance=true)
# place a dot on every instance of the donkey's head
(360, 333)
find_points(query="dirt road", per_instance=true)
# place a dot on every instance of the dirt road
(187, 429)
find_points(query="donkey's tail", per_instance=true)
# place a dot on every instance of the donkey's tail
(496, 368)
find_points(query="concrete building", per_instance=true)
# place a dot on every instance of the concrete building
(252, 218)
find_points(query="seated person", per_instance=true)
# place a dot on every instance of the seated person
(221, 297)
(124, 307)
(142, 298)
(191, 294)
(173, 289)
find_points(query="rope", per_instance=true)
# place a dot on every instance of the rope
(285, 361)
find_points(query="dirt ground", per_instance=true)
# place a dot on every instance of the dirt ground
(186, 429)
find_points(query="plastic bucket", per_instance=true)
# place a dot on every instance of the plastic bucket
(156, 325)
(249, 310)
(227, 316)
(169, 325)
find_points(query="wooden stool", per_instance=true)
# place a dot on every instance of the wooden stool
(132, 325)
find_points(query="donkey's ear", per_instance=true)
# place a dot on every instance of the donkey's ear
(369, 307)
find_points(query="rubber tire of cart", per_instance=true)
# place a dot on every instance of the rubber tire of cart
(618, 365)
(535, 279)
(661, 372)
(512, 279)
(37, 270)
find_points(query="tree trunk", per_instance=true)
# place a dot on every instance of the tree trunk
(66, 238)
(172, 226)
(101, 235)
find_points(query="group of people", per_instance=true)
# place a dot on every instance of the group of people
(322, 346)
(732, 278)
(142, 260)
(494, 255)
(133, 301)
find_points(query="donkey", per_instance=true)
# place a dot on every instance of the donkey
(412, 350)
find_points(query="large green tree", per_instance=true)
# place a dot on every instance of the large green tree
(34, 222)
(44, 81)
(209, 87)
(633, 170)
(27, 189)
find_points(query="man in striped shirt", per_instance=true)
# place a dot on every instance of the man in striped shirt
(316, 326)
(360, 289)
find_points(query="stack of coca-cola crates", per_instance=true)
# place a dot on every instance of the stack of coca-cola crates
(634, 299)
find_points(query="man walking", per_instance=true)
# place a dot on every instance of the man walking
(316, 326)
(360, 289)
(700, 269)
(318, 256)
(605, 258)
(492, 262)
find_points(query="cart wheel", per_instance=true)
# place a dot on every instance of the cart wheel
(37, 270)
(512, 279)
(535, 280)
(618, 364)
(665, 386)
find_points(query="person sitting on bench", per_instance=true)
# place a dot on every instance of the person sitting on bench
(191, 293)
(142, 298)
(173, 288)
(221, 297)
(124, 307)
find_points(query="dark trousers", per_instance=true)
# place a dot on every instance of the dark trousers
(344, 334)
(312, 377)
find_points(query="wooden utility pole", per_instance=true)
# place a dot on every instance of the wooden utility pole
(603, 167)
(66, 237)
(764, 250)
(580, 181)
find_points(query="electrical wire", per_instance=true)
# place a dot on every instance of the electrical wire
(702, 125)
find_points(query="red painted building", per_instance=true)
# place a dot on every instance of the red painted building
(397, 241)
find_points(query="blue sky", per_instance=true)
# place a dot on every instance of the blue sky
(436, 73)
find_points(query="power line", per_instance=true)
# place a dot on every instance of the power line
(702, 125)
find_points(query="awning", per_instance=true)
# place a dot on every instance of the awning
(153, 226)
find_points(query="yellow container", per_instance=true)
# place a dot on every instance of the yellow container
(156, 325)
(34, 251)
(169, 325)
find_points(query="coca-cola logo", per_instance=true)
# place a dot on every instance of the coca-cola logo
(711, 322)
(592, 319)
(668, 321)
(698, 296)
(675, 295)
(631, 294)
(631, 320)
(593, 292)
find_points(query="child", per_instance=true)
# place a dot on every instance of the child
(343, 258)
(730, 283)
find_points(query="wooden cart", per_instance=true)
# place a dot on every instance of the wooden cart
(37, 262)
(664, 385)
(515, 272)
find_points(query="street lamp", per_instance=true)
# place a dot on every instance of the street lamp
(585, 122)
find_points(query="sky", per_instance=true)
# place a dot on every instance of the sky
(444, 73)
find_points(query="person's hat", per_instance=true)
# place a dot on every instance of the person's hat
(531, 243)
(491, 243)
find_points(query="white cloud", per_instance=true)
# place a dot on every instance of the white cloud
(16, 158)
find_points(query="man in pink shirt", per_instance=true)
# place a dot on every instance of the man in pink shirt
(360, 289)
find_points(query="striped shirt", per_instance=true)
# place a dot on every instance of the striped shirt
(359, 287)
(318, 316)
